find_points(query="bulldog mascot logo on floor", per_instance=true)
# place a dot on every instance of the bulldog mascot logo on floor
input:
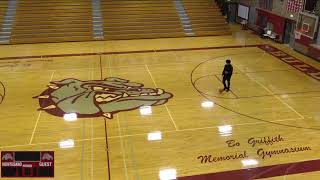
(96, 98)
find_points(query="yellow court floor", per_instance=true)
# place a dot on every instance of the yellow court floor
(151, 109)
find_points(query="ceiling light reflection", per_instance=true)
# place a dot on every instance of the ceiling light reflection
(70, 117)
(153, 136)
(168, 174)
(225, 130)
(145, 110)
(207, 104)
(64, 144)
(249, 162)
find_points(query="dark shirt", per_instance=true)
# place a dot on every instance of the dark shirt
(227, 70)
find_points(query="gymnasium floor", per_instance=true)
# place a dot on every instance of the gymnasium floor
(269, 98)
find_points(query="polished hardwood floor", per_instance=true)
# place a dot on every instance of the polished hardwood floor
(270, 116)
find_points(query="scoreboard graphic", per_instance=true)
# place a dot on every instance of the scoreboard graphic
(27, 164)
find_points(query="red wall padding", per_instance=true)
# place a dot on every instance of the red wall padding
(315, 53)
(304, 40)
(277, 21)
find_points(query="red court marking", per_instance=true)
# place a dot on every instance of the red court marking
(107, 147)
(123, 52)
(260, 172)
(292, 61)
(298, 64)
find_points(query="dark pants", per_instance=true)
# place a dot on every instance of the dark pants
(226, 78)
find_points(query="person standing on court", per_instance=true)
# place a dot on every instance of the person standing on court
(226, 75)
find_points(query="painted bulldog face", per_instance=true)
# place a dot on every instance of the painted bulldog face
(98, 97)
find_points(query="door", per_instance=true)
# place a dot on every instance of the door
(253, 16)
(289, 32)
(232, 14)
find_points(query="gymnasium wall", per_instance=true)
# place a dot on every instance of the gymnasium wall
(277, 21)
(279, 7)
(278, 15)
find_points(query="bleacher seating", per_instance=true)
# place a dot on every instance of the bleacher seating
(38, 21)
(136, 19)
(205, 18)
(3, 9)
(52, 21)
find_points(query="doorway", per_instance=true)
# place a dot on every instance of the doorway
(289, 33)
(232, 12)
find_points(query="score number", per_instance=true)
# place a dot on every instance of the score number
(27, 164)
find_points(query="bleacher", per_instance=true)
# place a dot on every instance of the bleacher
(39, 21)
(205, 18)
(3, 9)
(136, 19)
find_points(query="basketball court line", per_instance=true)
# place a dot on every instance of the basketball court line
(2, 94)
(242, 72)
(118, 122)
(100, 66)
(175, 126)
(234, 94)
(119, 131)
(154, 50)
(174, 54)
(82, 150)
(134, 163)
(106, 127)
(109, 64)
(202, 128)
(132, 135)
(92, 135)
(261, 172)
(153, 64)
(122, 150)
(127, 52)
(49, 70)
(85, 68)
(248, 97)
(107, 147)
(134, 65)
(48, 143)
(35, 127)
(300, 65)
(268, 90)
(236, 112)
(92, 149)
(39, 114)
